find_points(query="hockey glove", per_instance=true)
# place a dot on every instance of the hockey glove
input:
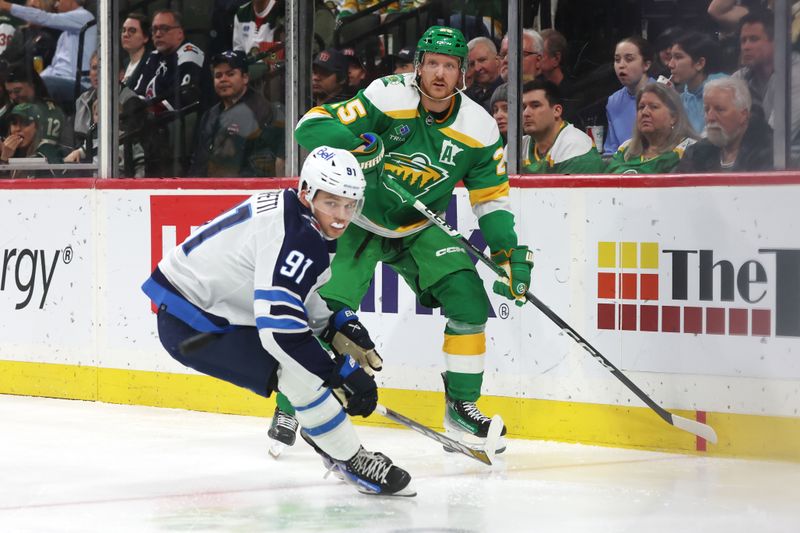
(370, 155)
(347, 335)
(359, 388)
(518, 263)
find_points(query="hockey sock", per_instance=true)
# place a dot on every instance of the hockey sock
(284, 404)
(465, 387)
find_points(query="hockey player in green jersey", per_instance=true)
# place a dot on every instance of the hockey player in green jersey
(552, 145)
(433, 137)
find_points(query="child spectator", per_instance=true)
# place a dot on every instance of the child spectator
(693, 61)
(631, 65)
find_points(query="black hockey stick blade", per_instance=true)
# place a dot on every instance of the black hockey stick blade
(444, 440)
(696, 428)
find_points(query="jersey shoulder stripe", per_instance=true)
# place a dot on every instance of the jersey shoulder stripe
(473, 126)
(394, 96)
(571, 142)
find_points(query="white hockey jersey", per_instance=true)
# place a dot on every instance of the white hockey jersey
(258, 264)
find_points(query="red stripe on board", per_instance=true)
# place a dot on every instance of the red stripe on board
(700, 445)
(632, 181)
(523, 182)
(199, 183)
(48, 183)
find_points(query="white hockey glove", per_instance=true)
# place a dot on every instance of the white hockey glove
(348, 336)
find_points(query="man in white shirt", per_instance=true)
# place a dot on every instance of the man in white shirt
(70, 19)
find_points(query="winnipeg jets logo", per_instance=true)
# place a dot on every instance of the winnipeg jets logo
(416, 171)
(449, 153)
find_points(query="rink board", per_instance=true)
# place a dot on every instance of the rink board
(689, 285)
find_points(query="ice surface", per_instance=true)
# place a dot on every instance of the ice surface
(83, 466)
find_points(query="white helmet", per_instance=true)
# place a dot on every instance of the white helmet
(332, 170)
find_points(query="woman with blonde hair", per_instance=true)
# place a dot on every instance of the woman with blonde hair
(660, 135)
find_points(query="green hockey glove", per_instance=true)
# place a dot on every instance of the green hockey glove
(518, 263)
(370, 155)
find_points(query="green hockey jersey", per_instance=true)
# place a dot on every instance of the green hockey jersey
(661, 164)
(428, 156)
(573, 152)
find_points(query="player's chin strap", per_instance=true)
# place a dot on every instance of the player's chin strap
(463, 84)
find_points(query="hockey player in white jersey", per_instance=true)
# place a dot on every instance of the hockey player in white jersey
(246, 283)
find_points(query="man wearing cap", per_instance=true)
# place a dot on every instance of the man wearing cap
(432, 137)
(356, 71)
(329, 77)
(237, 136)
(403, 61)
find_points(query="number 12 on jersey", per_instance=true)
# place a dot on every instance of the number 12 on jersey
(294, 261)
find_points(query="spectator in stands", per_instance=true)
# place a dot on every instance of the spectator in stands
(758, 70)
(171, 73)
(738, 139)
(729, 13)
(551, 65)
(660, 137)
(532, 49)
(136, 43)
(24, 86)
(25, 138)
(70, 19)
(257, 26)
(403, 61)
(663, 54)
(31, 41)
(8, 27)
(84, 104)
(237, 137)
(553, 54)
(131, 154)
(499, 106)
(356, 71)
(329, 77)
(694, 60)
(552, 145)
(486, 70)
(631, 65)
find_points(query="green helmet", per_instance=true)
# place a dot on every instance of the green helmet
(442, 40)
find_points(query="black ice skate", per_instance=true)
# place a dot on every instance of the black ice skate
(369, 472)
(282, 432)
(464, 422)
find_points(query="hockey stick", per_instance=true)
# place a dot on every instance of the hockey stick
(202, 339)
(485, 456)
(697, 428)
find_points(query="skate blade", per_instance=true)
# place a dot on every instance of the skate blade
(276, 448)
(475, 442)
(406, 492)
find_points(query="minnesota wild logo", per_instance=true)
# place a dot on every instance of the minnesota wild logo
(416, 171)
